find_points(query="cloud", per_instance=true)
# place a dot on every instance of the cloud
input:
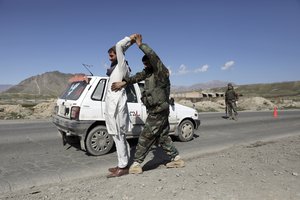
(204, 68)
(182, 70)
(228, 65)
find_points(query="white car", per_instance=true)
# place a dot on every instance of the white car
(79, 111)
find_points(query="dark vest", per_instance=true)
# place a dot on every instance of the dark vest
(156, 93)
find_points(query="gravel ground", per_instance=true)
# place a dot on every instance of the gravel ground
(263, 170)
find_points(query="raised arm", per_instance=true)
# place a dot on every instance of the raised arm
(155, 61)
(121, 47)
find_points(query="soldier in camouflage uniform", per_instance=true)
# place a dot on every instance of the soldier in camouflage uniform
(230, 99)
(156, 99)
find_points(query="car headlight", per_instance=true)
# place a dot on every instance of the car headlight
(196, 115)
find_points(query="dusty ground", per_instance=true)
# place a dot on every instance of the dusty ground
(263, 170)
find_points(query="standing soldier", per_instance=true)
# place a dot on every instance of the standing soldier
(230, 99)
(156, 99)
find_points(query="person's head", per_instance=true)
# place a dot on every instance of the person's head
(230, 85)
(146, 61)
(112, 54)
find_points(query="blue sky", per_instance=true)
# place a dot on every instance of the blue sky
(240, 41)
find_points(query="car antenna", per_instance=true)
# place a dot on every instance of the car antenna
(87, 68)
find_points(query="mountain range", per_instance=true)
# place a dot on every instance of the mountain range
(53, 83)
(200, 86)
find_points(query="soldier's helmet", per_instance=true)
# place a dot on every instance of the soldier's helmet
(229, 84)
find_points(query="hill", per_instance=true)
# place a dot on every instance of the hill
(49, 84)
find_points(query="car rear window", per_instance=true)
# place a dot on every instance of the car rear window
(74, 90)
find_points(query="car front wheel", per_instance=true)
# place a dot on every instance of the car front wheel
(186, 131)
(98, 141)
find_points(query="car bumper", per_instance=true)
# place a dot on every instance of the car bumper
(197, 123)
(71, 127)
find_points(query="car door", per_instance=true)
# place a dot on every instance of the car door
(173, 120)
(136, 110)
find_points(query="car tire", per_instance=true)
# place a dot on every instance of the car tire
(98, 141)
(186, 131)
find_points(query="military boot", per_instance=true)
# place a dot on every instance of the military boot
(176, 162)
(135, 168)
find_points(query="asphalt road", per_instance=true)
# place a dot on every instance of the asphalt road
(32, 153)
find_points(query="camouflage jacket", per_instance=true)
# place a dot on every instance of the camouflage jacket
(157, 83)
(231, 95)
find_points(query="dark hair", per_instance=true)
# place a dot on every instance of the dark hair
(145, 58)
(113, 48)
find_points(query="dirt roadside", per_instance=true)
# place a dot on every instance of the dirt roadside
(262, 170)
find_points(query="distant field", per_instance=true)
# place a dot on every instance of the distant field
(270, 90)
(23, 99)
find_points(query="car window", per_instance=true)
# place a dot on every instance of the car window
(74, 90)
(99, 91)
(131, 95)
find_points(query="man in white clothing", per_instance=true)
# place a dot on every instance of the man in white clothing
(116, 113)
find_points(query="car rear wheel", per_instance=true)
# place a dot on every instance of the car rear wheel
(186, 131)
(98, 141)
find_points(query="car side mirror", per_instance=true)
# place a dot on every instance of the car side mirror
(171, 101)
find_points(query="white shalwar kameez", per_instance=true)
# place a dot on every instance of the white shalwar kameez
(117, 117)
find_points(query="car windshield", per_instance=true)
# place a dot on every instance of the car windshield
(74, 90)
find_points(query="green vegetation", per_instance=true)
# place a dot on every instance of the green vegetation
(14, 115)
(269, 90)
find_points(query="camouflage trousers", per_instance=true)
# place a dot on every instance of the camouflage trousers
(231, 106)
(156, 130)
